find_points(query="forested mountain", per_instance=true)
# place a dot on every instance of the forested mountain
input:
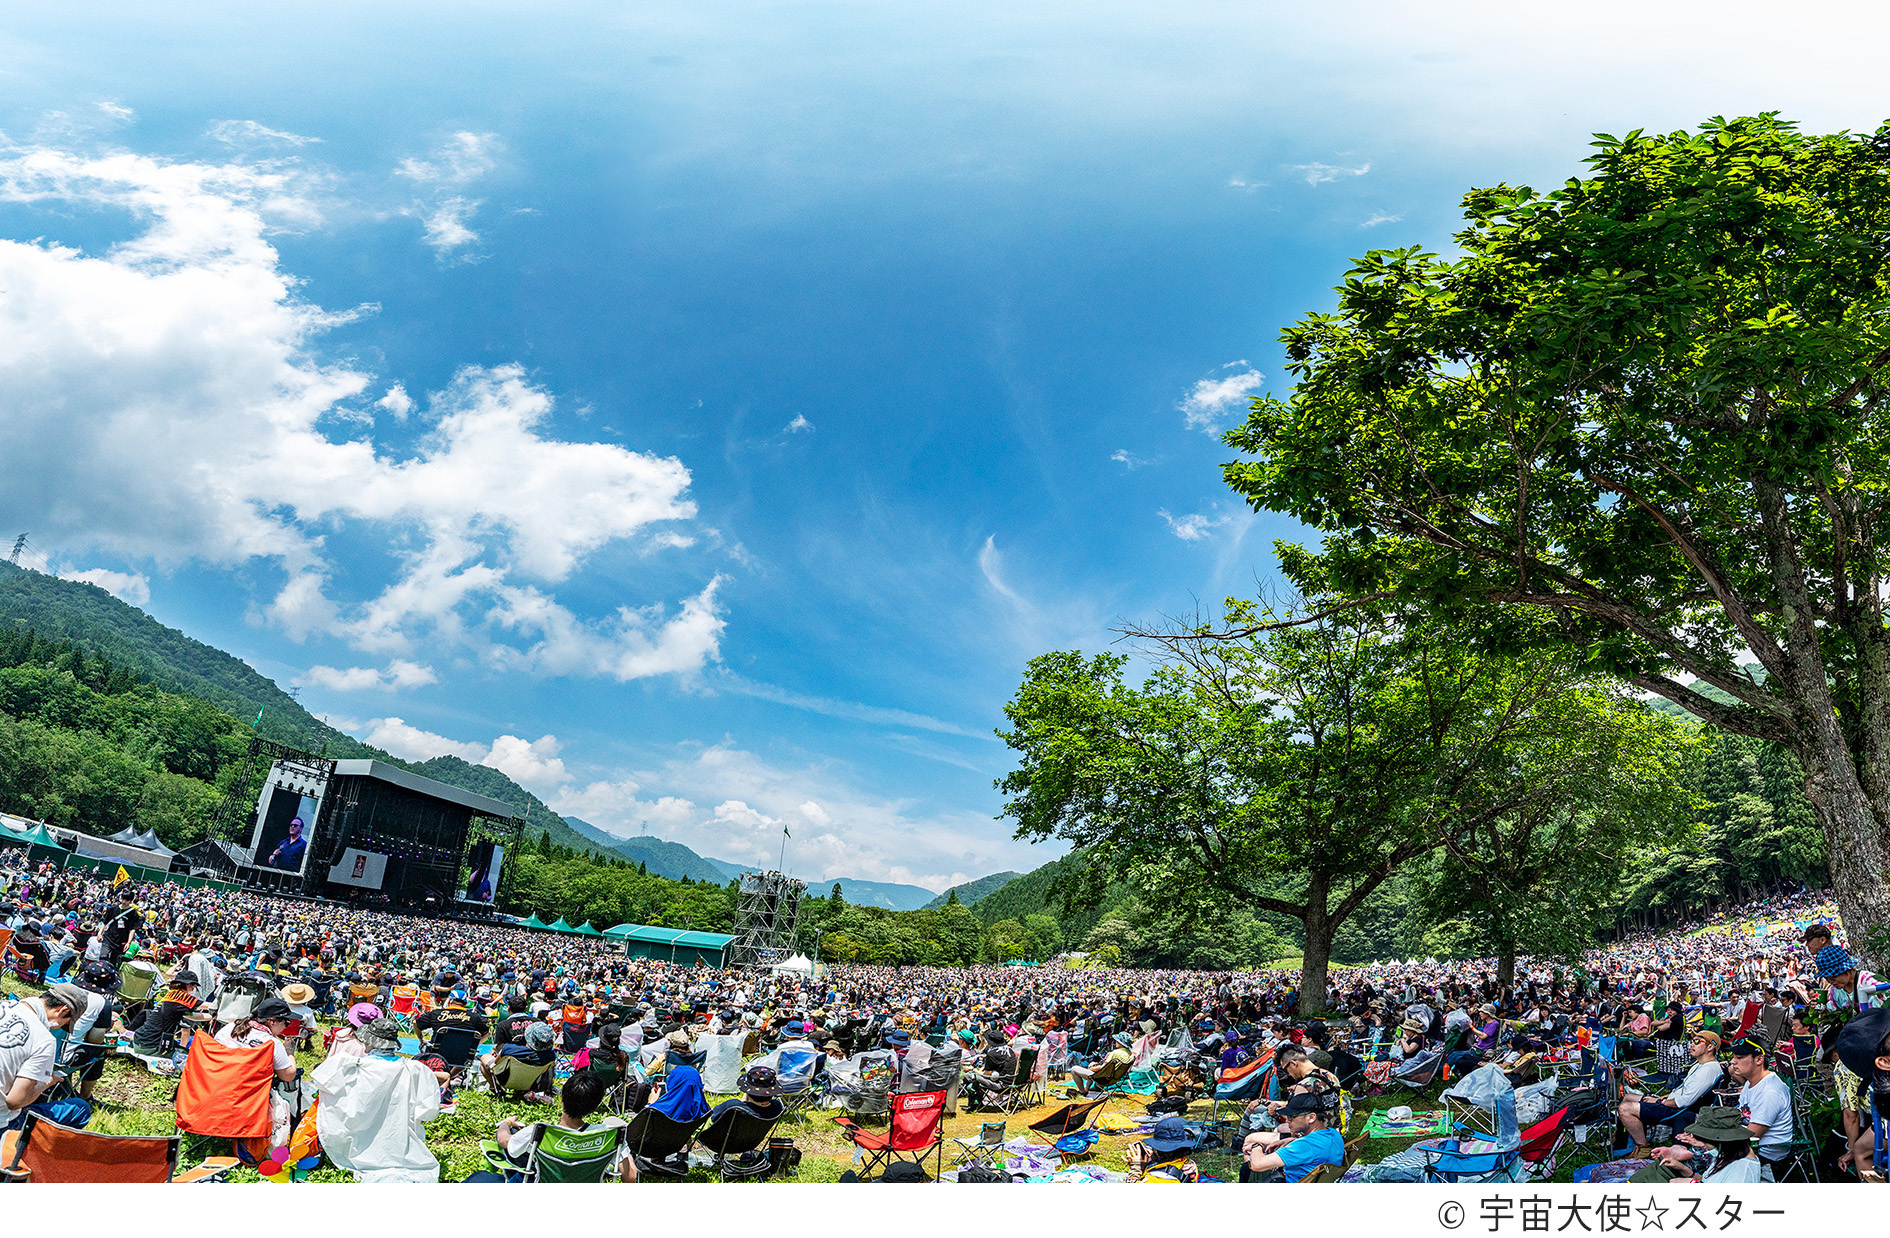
(971, 891)
(656, 855)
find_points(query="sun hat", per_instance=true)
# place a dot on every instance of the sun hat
(298, 994)
(1703, 1034)
(1170, 1134)
(1834, 960)
(1719, 1124)
(381, 1036)
(758, 1081)
(899, 1038)
(363, 1013)
(539, 1036)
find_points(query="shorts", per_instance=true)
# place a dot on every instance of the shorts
(1655, 1114)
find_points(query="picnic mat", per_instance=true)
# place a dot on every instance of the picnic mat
(1421, 1122)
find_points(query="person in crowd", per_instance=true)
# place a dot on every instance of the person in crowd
(580, 1097)
(1638, 1111)
(1113, 1068)
(678, 1096)
(1303, 1143)
(374, 1108)
(757, 1084)
(155, 1033)
(28, 1050)
(265, 1024)
(1765, 1103)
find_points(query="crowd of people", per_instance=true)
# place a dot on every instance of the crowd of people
(535, 1000)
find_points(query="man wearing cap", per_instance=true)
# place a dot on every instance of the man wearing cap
(1304, 1143)
(1111, 1069)
(158, 1027)
(265, 1024)
(1765, 1103)
(1640, 1112)
(27, 1047)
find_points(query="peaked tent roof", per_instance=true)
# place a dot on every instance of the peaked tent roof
(535, 922)
(588, 930)
(560, 926)
(127, 835)
(39, 835)
(149, 841)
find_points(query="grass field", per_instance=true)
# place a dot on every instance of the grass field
(130, 1100)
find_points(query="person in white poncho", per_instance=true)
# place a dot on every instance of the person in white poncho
(373, 1110)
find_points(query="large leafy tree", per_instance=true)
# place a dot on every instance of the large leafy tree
(1648, 405)
(1291, 772)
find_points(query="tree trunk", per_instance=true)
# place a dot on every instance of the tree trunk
(1853, 840)
(1506, 968)
(1313, 967)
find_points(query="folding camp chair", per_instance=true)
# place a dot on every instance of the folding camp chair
(1450, 1165)
(1419, 1072)
(1802, 1158)
(1069, 1119)
(1324, 1173)
(656, 1141)
(1771, 1025)
(1017, 1092)
(223, 1092)
(400, 1007)
(986, 1149)
(43, 1150)
(676, 1057)
(795, 1087)
(516, 1077)
(913, 1133)
(457, 1047)
(1548, 1143)
(736, 1134)
(562, 1155)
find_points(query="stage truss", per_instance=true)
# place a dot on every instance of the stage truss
(765, 915)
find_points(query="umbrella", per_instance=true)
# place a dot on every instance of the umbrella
(1862, 1039)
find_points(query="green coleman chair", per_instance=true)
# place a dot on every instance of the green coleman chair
(562, 1155)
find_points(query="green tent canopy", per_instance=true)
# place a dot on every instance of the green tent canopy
(586, 929)
(535, 922)
(560, 926)
(38, 836)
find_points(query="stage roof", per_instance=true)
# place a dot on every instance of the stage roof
(484, 805)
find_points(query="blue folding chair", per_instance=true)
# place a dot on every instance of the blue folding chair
(1450, 1165)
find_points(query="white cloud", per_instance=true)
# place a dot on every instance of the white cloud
(117, 111)
(1211, 399)
(186, 410)
(1381, 218)
(1129, 460)
(396, 401)
(1245, 186)
(446, 228)
(532, 764)
(445, 213)
(125, 586)
(395, 675)
(252, 133)
(800, 425)
(1192, 527)
(991, 563)
(410, 743)
(1325, 173)
(463, 157)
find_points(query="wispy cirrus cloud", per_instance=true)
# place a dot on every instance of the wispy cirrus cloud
(445, 211)
(1326, 173)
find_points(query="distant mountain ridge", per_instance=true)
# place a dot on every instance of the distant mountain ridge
(676, 861)
(88, 616)
(971, 891)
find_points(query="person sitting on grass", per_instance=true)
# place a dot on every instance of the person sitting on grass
(374, 1110)
(583, 1092)
(1638, 1112)
(1303, 1143)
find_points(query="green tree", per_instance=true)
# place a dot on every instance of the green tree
(1649, 406)
(1292, 770)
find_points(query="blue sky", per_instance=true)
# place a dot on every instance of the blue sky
(702, 413)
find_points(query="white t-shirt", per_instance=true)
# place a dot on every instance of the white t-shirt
(1769, 1102)
(1733, 1173)
(258, 1035)
(27, 1050)
(1701, 1077)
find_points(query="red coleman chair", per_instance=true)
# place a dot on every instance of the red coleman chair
(915, 1132)
(1546, 1144)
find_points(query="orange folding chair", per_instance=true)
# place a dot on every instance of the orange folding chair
(917, 1118)
(42, 1150)
(224, 1091)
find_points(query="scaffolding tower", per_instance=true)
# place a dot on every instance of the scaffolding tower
(765, 915)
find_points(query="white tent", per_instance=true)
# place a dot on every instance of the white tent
(800, 965)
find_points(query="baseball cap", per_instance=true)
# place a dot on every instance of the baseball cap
(1304, 1102)
(1750, 1046)
(71, 996)
(272, 1008)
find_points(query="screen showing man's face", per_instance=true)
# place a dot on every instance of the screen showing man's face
(284, 840)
